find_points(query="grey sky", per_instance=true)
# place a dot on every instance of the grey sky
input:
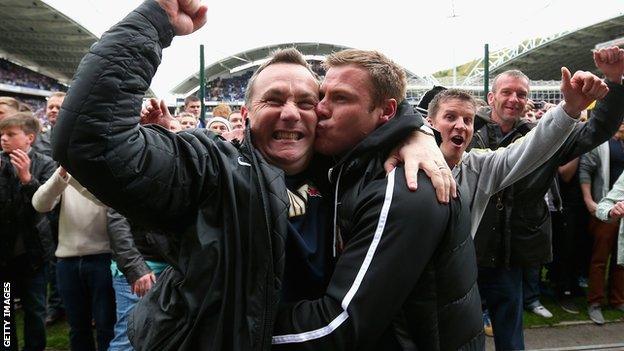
(422, 36)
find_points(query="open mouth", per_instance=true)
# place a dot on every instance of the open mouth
(457, 140)
(287, 136)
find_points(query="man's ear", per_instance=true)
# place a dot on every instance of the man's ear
(245, 114)
(244, 111)
(388, 111)
(490, 98)
(31, 138)
(430, 121)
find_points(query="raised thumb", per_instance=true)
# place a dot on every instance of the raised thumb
(566, 76)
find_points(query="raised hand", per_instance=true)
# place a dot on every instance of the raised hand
(21, 162)
(580, 90)
(610, 61)
(186, 16)
(156, 113)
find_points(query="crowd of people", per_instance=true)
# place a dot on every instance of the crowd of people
(233, 89)
(301, 221)
(13, 74)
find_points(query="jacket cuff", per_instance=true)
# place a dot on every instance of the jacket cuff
(137, 272)
(159, 19)
(602, 212)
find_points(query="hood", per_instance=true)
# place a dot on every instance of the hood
(381, 140)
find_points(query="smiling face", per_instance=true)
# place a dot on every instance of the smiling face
(282, 116)
(454, 120)
(509, 99)
(53, 107)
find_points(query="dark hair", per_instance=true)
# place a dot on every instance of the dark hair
(287, 55)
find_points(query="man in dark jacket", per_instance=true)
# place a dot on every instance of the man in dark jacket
(227, 206)
(514, 233)
(136, 265)
(406, 276)
(25, 236)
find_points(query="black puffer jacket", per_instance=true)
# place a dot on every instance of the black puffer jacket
(407, 276)
(225, 206)
(515, 229)
(23, 229)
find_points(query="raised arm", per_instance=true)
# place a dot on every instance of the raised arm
(498, 169)
(608, 113)
(144, 172)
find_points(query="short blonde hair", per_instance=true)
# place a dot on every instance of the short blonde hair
(11, 102)
(388, 79)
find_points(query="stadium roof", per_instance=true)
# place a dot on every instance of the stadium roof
(255, 57)
(42, 39)
(571, 49)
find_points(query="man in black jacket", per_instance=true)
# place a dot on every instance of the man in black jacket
(406, 276)
(227, 206)
(25, 236)
(515, 231)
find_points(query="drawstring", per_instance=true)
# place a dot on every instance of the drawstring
(336, 210)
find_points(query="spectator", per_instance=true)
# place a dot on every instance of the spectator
(25, 233)
(598, 171)
(8, 106)
(136, 266)
(192, 105)
(175, 125)
(236, 120)
(55, 309)
(53, 107)
(219, 125)
(221, 110)
(19, 76)
(187, 120)
(515, 232)
(83, 266)
(611, 208)
(569, 230)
